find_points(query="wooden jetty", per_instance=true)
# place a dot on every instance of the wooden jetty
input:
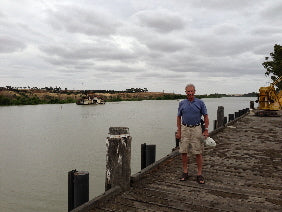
(243, 173)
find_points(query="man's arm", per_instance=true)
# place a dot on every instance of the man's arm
(207, 122)
(178, 123)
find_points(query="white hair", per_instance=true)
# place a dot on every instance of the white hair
(190, 85)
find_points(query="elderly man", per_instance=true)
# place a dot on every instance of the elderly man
(190, 132)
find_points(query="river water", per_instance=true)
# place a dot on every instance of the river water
(39, 144)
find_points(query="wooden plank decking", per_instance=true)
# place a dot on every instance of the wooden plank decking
(243, 173)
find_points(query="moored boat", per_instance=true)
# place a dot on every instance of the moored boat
(90, 101)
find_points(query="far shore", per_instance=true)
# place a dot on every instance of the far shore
(33, 97)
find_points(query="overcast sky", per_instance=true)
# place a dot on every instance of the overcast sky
(218, 45)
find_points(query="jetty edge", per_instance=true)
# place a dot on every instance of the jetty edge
(243, 173)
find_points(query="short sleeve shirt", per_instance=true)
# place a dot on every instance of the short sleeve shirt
(191, 112)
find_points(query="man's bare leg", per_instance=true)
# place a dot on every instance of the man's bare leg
(199, 159)
(184, 158)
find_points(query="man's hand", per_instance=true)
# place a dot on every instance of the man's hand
(206, 133)
(178, 134)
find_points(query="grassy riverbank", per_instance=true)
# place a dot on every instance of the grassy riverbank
(34, 97)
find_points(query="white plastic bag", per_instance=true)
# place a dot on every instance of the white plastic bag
(209, 142)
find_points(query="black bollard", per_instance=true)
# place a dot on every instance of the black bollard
(143, 156)
(225, 120)
(231, 117)
(71, 190)
(236, 115)
(81, 188)
(78, 188)
(148, 155)
(214, 124)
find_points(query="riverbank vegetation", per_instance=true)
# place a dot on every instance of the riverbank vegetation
(25, 99)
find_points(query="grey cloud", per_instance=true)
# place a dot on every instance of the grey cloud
(161, 21)
(119, 68)
(91, 51)
(83, 20)
(54, 60)
(213, 46)
(188, 62)
(69, 63)
(9, 45)
(272, 13)
(162, 75)
(223, 5)
(70, 70)
(226, 29)
(165, 45)
(267, 30)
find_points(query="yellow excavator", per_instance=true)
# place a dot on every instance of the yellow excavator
(269, 100)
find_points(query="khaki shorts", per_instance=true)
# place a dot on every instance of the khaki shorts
(191, 140)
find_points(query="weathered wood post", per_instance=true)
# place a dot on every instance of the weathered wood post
(220, 116)
(118, 158)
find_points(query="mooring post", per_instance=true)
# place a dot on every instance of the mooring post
(81, 188)
(143, 156)
(118, 158)
(148, 155)
(231, 117)
(220, 116)
(214, 124)
(71, 190)
(225, 120)
(78, 188)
